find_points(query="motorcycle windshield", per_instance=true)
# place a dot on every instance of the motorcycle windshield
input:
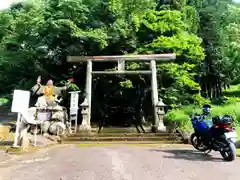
(208, 122)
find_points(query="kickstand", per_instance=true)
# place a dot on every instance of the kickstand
(207, 152)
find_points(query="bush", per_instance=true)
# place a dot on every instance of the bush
(3, 101)
(182, 115)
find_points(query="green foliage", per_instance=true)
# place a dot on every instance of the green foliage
(181, 117)
(73, 87)
(166, 32)
(186, 46)
(127, 84)
(199, 100)
(183, 88)
(214, 73)
(3, 101)
(230, 42)
(233, 91)
(36, 36)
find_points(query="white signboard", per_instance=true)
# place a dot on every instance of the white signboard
(74, 100)
(73, 111)
(20, 101)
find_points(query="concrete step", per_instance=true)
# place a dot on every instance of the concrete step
(120, 139)
(123, 137)
(120, 142)
(120, 129)
(127, 138)
(111, 134)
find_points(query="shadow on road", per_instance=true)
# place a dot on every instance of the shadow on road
(186, 154)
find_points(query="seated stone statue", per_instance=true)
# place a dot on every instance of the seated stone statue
(54, 117)
(47, 114)
(48, 94)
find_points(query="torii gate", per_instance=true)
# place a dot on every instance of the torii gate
(152, 58)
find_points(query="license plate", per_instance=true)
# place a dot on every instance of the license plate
(231, 135)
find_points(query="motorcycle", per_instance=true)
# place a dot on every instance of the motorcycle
(216, 134)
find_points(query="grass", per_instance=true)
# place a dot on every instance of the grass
(233, 91)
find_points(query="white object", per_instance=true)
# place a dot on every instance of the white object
(74, 109)
(20, 101)
(35, 136)
(15, 144)
(43, 116)
(231, 135)
(74, 99)
(20, 105)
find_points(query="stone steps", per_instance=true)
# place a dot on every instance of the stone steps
(72, 139)
(126, 134)
(121, 142)
(126, 142)
(115, 135)
(119, 129)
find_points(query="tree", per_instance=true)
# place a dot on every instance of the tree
(211, 72)
(165, 31)
(36, 36)
(230, 43)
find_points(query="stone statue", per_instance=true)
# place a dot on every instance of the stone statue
(48, 93)
(53, 117)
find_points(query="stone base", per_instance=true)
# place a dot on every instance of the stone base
(84, 128)
(154, 128)
(161, 128)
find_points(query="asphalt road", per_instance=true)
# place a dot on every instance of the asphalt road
(120, 163)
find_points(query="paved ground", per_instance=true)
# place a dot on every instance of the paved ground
(3, 156)
(120, 163)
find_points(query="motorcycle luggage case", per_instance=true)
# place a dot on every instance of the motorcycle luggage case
(226, 119)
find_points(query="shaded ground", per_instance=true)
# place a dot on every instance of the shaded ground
(6, 114)
(120, 163)
(7, 125)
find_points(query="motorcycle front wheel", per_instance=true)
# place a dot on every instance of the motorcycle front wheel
(230, 153)
(197, 143)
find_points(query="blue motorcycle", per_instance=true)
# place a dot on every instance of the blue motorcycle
(214, 134)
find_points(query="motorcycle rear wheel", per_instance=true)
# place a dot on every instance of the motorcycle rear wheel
(197, 143)
(229, 155)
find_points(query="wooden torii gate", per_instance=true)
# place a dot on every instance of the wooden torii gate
(152, 58)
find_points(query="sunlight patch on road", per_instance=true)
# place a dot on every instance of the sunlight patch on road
(35, 160)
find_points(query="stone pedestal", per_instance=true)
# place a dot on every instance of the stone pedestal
(85, 128)
(161, 127)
